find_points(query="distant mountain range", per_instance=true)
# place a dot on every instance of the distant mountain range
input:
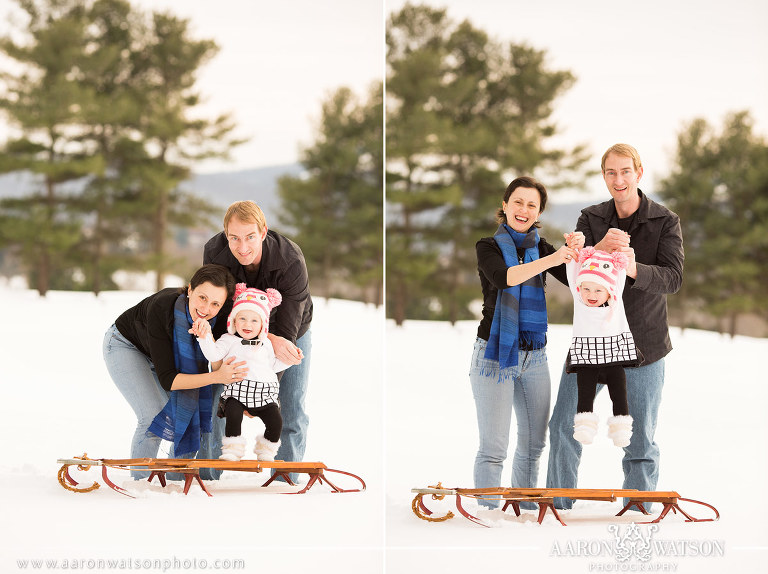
(260, 185)
(221, 188)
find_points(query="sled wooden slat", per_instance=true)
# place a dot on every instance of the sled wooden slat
(544, 498)
(242, 465)
(190, 468)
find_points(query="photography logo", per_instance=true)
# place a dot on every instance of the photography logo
(635, 548)
(632, 544)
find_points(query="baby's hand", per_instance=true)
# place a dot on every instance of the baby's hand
(200, 328)
(574, 240)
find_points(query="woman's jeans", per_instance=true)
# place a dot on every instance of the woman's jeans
(641, 457)
(134, 376)
(524, 388)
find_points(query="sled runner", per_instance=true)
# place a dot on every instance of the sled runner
(190, 468)
(544, 497)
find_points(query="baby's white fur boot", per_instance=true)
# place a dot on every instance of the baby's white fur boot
(585, 427)
(265, 449)
(620, 429)
(232, 448)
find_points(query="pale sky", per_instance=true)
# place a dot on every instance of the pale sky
(644, 68)
(278, 61)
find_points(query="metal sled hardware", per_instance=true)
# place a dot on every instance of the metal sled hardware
(544, 498)
(190, 468)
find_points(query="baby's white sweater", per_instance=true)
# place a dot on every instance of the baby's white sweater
(261, 361)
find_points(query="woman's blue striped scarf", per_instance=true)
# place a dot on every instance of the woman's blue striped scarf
(189, 412)
(521, 310)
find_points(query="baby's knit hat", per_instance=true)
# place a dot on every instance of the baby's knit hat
(251, 299)
(600, 267)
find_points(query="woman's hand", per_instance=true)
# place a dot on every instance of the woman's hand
(518, 274)
(574, 240)
(563, 255)
(230, 372)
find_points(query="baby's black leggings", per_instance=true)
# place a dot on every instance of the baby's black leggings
(269, 414)
(613, 377)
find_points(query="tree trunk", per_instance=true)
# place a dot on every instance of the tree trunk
(97, 254)
(43, 272)
(44, 263)
(160, 227)
(400, 297)
(378, 293)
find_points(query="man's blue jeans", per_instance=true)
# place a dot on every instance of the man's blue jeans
(641, 457)
(293, 394)
(526, 390)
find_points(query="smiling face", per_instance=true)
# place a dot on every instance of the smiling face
(593, 294)
(621, 177)
(245, 241)
(522, 209)
(205, 300)
(248, 324)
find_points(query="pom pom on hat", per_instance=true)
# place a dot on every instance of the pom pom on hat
(601, 268)
(251, 299)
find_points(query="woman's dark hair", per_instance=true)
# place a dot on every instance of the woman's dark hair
(216, 275)
(525, 181)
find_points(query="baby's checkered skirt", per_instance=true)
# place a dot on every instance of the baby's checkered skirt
(603, 350)
(253, 394)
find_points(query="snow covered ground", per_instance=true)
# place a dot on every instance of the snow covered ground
(391, 404)
(712, 434)
(60, 402)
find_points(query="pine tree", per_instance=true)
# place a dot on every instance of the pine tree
(335, 209)
(111, 113)
(464, 115)
(166, 68)
(43, 102)
(107, 97)
(719, 188)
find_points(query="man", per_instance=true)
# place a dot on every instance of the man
(262, 258)
(650, 235)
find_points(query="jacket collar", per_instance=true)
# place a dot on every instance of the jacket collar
(271, 257)
(648, 209)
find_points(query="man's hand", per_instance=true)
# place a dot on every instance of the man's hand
(614, 240)
(286, 351)
(631, 263)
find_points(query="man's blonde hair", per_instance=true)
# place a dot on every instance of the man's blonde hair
(624, 150)
(247, 212)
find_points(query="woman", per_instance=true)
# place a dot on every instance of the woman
(509, 363)
(151, 350)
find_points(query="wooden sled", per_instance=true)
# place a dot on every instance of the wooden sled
(190, 468)
(544, 498)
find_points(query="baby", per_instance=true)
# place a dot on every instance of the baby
(602, 344)
(246, 340)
